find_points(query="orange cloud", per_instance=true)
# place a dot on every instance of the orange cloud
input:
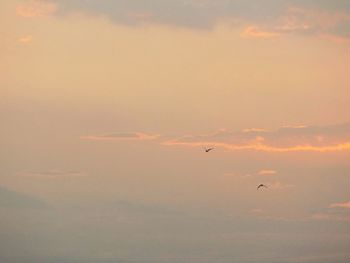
(267, 172)
(300, 138)
(36, 8)
(341, 205)
(253, 130)
(261, 147)
(25, 39)
(256, 32)
(139, 136)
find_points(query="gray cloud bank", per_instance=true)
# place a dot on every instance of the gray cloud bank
(206, 13)
(12, 199)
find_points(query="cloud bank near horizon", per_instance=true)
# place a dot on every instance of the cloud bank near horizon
(259, 19)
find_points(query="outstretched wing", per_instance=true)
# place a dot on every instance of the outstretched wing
(261, 185)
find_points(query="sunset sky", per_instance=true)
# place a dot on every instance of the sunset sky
(107, 105)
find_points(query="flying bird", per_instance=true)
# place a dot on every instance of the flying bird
(208, 149)
(261, 185)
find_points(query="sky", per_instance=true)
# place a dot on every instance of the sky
(106, 109)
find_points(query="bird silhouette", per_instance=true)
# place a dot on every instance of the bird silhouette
(208, 149)
(261, 185)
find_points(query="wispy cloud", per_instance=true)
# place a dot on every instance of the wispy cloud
(262, 147)
(286, 139)
(340, 205)
(335, 38)
(25, 39)
(36, 8)
(257, 32)
(306, 21)
(330, 217)
(256, 211)
(133, 136)
(267, 172)
(253, 130)
(277, 185)
(257, 174)
(51, 174)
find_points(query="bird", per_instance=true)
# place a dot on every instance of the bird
(208, 149)
(261, 185)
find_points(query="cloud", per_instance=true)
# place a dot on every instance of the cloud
(52, 174)
(322, 23)
(36, 8)
(140, 16)
(254, 130)
(256, 211)
(184, 13)
(13, 199)
(133, 136)
(286, 139)
(335, 38)
(269, 18)
(262, 147)
(25, 39)
(340, 205)
(330, 217)
(251, 174)
(256, 32)
(267, 172)
(277, 185)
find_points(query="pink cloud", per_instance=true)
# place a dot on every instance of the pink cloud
(257, 32)
(341, 205)
(36, 8)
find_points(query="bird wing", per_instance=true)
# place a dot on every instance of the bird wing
(261, 185)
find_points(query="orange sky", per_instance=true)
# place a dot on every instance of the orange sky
(107, 107)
